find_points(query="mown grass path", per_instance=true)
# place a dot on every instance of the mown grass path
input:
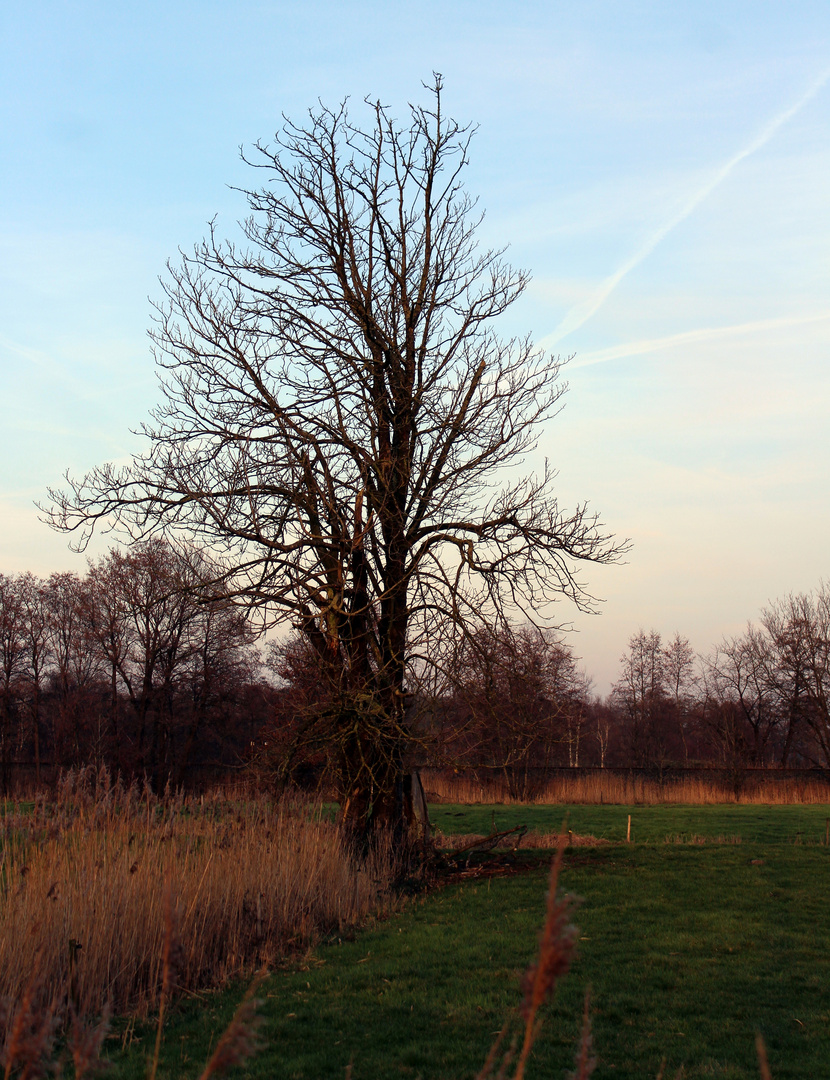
(688, 951)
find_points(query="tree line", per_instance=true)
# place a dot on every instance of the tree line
(146, 664)
(757, 699)
(519, 703)
(141, 663)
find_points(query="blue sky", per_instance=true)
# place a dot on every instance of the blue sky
(662, 169)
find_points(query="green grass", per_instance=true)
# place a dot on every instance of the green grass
(688, 950)
(649, 824)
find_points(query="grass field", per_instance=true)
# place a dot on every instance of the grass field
(688, 949)
(649, 824)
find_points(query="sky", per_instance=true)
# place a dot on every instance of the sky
(661, 169)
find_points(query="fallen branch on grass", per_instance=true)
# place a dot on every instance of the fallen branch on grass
(483, 844)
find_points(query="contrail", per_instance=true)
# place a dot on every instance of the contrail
(709, 333)
(581, 313)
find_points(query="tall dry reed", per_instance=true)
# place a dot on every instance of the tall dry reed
(625, 789)
(83, 880)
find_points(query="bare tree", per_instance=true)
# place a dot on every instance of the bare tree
(295, 745)
(679, 663)
(798, 632)
(79, 665)
(603, 717)
(655, 698)
(35, 612)
(339, 419)
(518, 704)
(167, 637)
(640, 695)
(219, 662)
(741, 703)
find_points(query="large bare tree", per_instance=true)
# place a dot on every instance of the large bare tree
(341, 420)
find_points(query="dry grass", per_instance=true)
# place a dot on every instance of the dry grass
(613, 788)
(84, 881)
(530, 839)
(696, 840)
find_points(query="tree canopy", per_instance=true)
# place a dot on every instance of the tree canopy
(340, 421)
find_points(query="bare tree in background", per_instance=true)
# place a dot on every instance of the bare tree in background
(655, 698)
(741, 705)
(81, 663)
(768, 691)
(168, 639)
(339, 418)
(35, 611)
(798, 632)
(603, 717)
(679, 674)
(518, 705)
(640, 695)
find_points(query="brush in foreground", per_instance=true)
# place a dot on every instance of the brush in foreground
(87, 878)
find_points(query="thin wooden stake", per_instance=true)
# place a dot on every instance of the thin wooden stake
(628, 831)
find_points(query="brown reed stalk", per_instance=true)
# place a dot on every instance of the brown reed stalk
(507, 1057)
(30, 1038)
(763, 1063)
(84, 1044)
(586, 1062)
(239, 1041)
(486, 1071)
(557, 947)
(169, 963)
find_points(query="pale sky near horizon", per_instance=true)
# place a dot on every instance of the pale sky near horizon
(662, 170)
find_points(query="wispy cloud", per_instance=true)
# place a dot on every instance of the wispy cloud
(581, 313)
(709, 333)
(25, 352)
